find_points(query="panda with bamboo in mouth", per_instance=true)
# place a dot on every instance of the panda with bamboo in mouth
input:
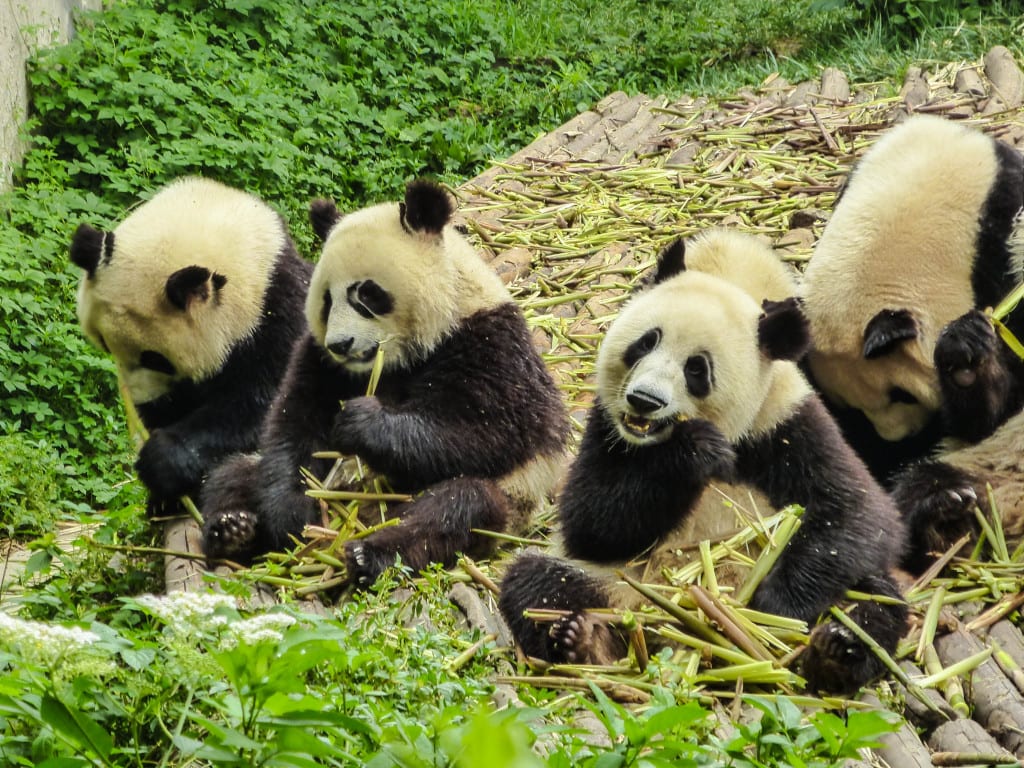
(696, 383)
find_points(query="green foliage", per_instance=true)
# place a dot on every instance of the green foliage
(189, 679)
(909, 18)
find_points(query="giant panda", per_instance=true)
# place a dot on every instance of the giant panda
(465, 414)
(696, 383)
(924, 237)
(198, 295)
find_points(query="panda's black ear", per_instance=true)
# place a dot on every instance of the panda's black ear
(323, 215)
(783, 332)
(191, 284)
(887, 329)
(89, 245)
(428, 207)
(671, 261)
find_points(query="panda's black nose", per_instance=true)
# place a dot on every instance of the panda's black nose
(341, 348)
(644, 402)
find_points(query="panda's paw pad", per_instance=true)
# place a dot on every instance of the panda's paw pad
(229, 533)
(836, 661)
(571, 637)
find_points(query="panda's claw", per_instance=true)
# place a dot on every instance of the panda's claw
(229, 534)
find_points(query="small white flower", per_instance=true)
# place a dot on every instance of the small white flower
(265, 628)
(41, 641)
(188, 612)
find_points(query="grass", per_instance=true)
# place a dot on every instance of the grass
(346, 100)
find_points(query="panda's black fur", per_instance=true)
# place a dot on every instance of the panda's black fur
(925, 237)
(198, 295)
(464, 414)
(651, 448)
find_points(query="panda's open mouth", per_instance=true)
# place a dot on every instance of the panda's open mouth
(643, 428)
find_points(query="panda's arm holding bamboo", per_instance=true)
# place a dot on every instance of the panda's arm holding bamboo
(297, 426)
(620, 499)
(479, 406)
(805, 461)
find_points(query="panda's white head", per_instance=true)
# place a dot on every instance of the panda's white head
(396, 276)
(695, 346)
(177, 284)
(894, 266)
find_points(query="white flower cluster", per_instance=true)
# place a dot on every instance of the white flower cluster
(188, 613)
(46, 643)
(265, 628)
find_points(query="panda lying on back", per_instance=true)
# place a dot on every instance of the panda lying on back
(925, 236)
(198, 295)
(464, 412)
(695, 382)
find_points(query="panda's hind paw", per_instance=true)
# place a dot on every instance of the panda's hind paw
(579, 639)
(836, 661)
(229, 535)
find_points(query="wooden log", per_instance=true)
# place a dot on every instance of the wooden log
(964, 735)
(922, 715)
(181, 573)
(902, 748)
(1009, 638)
(998, 705)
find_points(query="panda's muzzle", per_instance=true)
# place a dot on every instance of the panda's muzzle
(637, 422)
(342, 351)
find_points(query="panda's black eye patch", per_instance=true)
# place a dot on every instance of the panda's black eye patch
(325, 310)
(375, 298)
(641, 347)
(154, 361)
(697, 370)
(900, 395)
(369, 299)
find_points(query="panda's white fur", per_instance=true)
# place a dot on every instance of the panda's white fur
(903, 235)
(362, 246)
(123, 306)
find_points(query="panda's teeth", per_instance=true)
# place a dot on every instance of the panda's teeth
(680, 417)
(636, 423)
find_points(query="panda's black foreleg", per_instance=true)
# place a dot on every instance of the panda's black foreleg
(979, 376)
(540, 581)
(835, 660)
(434, 528)
(937, 502)
(229, 509)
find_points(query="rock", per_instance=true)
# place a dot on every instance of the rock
(915, 89)
(801, 94)
(969, 82)
(835, 88)
(1007, 80)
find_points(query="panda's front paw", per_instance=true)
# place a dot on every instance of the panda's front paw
(964, 348)
(836, 661)
(937, 502)
(355, 423)
(169, 466)
(708, 452)
(229, 535)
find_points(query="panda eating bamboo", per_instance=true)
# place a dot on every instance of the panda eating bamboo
(696, 382)
(464, 415)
